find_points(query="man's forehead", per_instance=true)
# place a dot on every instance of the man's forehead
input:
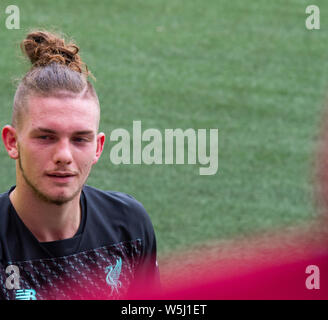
(62, 113)
(62, 102)
(68, 108)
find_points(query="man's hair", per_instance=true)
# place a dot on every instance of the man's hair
(57, 70)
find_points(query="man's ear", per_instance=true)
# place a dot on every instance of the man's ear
(100, 146)
(9, 138)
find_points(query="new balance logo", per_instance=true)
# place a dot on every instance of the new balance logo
(26, 294)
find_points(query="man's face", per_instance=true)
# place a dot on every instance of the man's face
(57, 146)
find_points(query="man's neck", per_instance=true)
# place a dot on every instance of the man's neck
(47, 221)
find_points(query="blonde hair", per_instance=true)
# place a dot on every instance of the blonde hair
(57, 70)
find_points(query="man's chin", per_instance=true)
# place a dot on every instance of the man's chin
(57, 199)
(60, 193)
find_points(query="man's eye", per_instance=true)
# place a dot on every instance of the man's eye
(45, 137)
(80, 140)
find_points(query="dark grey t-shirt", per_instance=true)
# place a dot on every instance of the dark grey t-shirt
(113, 250)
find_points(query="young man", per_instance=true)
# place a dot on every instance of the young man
(61, 239)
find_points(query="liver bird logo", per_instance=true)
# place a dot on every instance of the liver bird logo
(113, 275)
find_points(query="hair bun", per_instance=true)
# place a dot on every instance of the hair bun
(43, 48)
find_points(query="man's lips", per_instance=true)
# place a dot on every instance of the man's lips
(61, 176)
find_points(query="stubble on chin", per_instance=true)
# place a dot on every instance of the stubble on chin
(59, 200)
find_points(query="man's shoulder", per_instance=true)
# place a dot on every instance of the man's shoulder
(4, 202)
(4, 196)
(4, 218)
(115, 203)
(119, 198)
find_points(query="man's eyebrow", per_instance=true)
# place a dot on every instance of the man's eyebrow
(44, 130)
(85, 132)
(82, 132)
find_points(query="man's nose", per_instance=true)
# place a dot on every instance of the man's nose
(62, 152)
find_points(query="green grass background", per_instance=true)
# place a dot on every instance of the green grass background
(249, 68)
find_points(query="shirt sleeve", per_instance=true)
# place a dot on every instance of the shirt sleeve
(147, 282)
